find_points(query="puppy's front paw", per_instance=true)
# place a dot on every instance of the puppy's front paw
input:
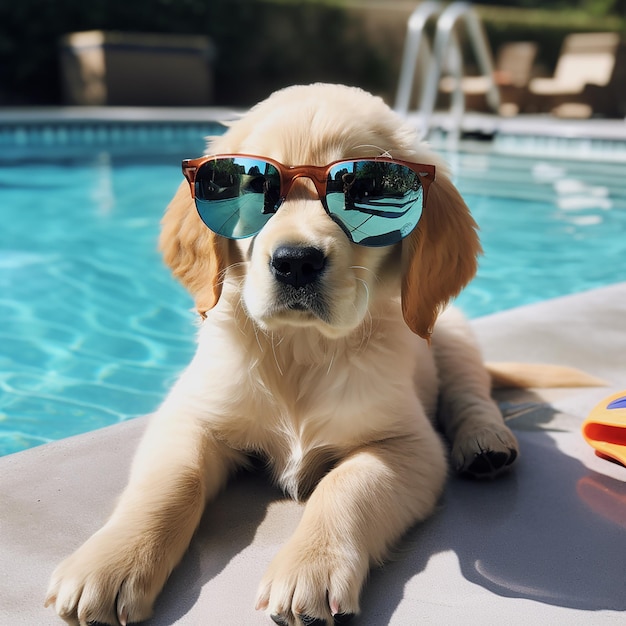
(110, 579)
(311, 586)
(484, 451)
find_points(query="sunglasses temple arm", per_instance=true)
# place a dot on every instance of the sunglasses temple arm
(426, 182)
(189, 172)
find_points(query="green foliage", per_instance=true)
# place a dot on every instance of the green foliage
(261, 45)
(543, 26)
(595, 8)
(266, 44)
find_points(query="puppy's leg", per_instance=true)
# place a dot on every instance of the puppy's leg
(116, 575)
(355, 513)
(482, 445)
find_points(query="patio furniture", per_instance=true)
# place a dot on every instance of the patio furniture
(584, 77)
(514, 64)
(607, 100)
(136, 69)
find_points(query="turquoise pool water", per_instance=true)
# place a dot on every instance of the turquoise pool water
(548, 228)
(93, 329)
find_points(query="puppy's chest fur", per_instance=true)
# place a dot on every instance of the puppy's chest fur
(301, 401)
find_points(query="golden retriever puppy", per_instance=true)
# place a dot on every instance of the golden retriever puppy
(321, 350)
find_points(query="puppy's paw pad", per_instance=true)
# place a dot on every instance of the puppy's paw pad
(488, 464)
(308, 620)
(484, 452)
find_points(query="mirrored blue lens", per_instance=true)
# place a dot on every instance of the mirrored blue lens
(235, 197)
(377, 203)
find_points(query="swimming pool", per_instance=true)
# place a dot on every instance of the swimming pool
(93, 329)
(548, 227)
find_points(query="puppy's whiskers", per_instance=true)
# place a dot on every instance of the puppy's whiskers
(382, 151)
(256, 330)
(365, 269)
(366, 333)
(239, 311)
(330, 363)
(222, 275)
(365, 329)
(274, 345)
(366, 287)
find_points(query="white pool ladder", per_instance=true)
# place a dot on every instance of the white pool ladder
(446, 49)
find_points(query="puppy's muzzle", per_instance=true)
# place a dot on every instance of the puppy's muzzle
(297, 266)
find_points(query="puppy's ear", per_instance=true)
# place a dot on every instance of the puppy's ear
(439, 257)
(197, 256)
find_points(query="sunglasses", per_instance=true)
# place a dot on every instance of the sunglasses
(377, 202)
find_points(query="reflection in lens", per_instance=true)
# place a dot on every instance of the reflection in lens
(236, 196)
(378, 203)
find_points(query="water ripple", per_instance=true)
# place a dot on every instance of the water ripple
(93, 329)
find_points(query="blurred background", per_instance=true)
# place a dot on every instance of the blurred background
(235, 52)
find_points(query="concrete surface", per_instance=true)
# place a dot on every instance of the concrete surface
(545, 544)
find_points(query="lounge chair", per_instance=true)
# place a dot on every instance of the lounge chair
(607, 100)
(514, 63)
(586, 65)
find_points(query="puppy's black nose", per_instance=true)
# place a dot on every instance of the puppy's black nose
(296, 265)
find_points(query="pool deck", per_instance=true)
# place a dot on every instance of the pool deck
(54, 131)
(545, 544)
(540, 123)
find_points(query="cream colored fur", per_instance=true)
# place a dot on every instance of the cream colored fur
(525, 375)
(341, 408)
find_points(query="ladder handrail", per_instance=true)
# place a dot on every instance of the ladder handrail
(413, 42)
(446, 42)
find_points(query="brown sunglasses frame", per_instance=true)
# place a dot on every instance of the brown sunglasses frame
(318, 174)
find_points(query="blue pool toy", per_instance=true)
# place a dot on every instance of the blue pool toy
(605, 428)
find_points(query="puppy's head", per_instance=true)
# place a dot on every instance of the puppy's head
(301, 269)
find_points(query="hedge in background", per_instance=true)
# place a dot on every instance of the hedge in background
(262, 44)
